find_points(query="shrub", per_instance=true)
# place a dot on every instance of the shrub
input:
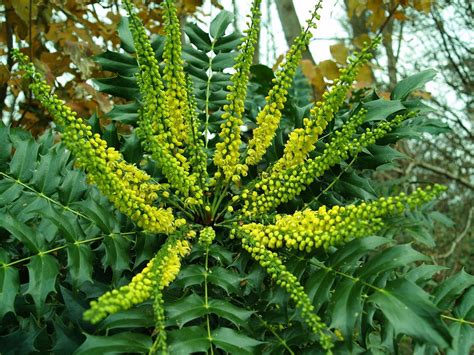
(194, 235)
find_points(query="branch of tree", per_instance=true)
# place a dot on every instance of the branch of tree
(460, 236)
(448, 174)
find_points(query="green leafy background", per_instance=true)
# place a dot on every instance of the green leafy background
(62, 244)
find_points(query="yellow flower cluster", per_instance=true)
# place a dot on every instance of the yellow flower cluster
(269, 117)
(277, 270)
(302, 141)
(227, 151)
(157, 130)
(206, 236)
(158, 274)
(198, 157)
(127, 187)
(281, 187)
(173, 74)
(307, 229)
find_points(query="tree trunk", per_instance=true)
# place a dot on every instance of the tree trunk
(290, 24)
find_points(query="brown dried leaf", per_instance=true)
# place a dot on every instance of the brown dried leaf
(400, 16)
(4, 74)
(365, 77)
(422, 5)
(78, 52)
(22, 9)
(361, 39)
(339, 52)
(329, 69)
(314, 75)
(425, 95)
(355, 7)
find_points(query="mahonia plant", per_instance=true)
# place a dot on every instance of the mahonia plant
(203, 191)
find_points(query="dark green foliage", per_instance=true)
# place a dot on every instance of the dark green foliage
(62, 244)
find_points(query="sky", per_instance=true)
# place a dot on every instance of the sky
(328, 27)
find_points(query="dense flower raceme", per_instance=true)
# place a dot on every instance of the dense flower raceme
(227, 155)
(302, 141)
(166, 116)
(159, 273)
(129, 188)
(269, 117)
(307, 229)
(168, 128)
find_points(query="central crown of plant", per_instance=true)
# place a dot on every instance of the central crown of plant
(203, 189)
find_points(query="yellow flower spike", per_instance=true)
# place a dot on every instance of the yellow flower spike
(285, 185)
(176, 84)
(274, 266)
(124, 184)
(157, 130)
(269, 117)
(158, 274)
(302, 141)
(307, 229)
(227, 150)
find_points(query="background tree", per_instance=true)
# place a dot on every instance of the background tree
(63, 38)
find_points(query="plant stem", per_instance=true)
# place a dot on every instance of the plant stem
(42, 195)
(280, 339)
(206, 303)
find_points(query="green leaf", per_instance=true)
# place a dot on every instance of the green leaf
(225, 279)
(450, 289)
(9, 288)
(378, 155)
(228, 43)
(185, 310)
(99, 214)
(125, 35)
(354, 250)
(120, 63)
(346, 307)
(407, 85)
(381, 109)
(22, 340)
(121, 86)
(20, 231)
(10, 191)
(442, 218)
(318, 287)
(5, 147)
(23, 162)
(117, 249)
(227, 310)
(65, 221)
(197, 58)
(42, 270)
(48, 174)
(220, 23)
(121, 343)
(138, 317)
(233, 342)
(389, 259)
(191, 275)
(423, 273)
(223, 61)
(79, 263)
(409, 309)
(198, 37)
(463, 333)
(132, 149)
(188, 340)
(72, 187)
(354, 185)
(127, 113)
